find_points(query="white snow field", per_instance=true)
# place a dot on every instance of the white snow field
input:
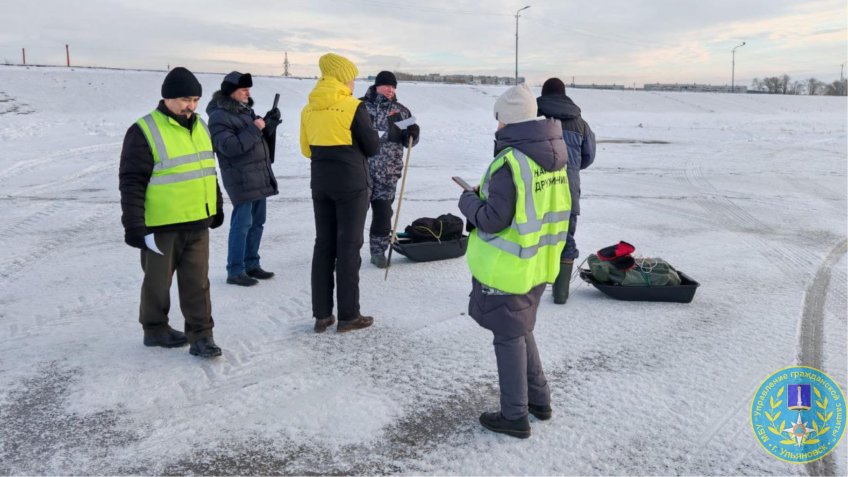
(744, 193)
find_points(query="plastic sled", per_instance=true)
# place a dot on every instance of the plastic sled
(682, 293)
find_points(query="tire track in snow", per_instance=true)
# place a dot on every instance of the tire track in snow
(14, 268)
(17, 229)
(811, 334)
(789, 259)
(23, 166)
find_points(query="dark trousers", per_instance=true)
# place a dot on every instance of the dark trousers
(520, 375)
(187, 253)
(512, 318)
(570, 251)
(246, 225)
(381, 225)
(339, 222)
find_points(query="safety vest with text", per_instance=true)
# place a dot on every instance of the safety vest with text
(527, 253)
(183, 186)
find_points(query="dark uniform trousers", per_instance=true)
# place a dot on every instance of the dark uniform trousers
(187, 253)
(512, 318)
(339, 221)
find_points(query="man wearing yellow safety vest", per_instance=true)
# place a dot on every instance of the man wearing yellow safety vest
(169, 199)
(520, 211)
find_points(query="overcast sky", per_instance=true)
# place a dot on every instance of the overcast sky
(600, 41)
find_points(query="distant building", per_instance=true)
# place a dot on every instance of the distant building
(597, 86)
(456, 78)
(694, 87)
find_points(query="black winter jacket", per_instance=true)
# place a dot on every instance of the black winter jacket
(134, 174)
(243, 152)
(578, 137)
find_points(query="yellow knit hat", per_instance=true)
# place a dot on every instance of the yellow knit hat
(338, 67)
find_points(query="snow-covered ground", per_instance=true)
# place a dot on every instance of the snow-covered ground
(746, 194)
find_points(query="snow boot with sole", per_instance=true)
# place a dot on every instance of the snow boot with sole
(563, 282)
(496, 422)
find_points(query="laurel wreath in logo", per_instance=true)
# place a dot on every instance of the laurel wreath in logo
(817, 430)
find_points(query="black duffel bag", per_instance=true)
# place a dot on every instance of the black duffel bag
(442, 228)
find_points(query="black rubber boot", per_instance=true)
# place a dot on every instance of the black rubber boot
(563, 282)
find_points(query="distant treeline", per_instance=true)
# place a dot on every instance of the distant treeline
(785, 85)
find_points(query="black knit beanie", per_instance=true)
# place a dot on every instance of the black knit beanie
(553, 86)
(234, 81)
(180, 83)
(385, 78)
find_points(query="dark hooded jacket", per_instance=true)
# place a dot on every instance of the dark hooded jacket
(541, 141)
(134, 175)
(578, 137)
(243, 151)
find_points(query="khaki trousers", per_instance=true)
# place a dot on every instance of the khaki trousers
(187, 253)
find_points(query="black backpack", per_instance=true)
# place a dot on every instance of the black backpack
(427, 229)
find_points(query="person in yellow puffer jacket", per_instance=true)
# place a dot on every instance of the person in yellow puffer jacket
(337, 135)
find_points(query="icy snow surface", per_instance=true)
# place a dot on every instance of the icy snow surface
(747, 195)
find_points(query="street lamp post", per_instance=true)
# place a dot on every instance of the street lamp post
(733, 68)
(517, 14)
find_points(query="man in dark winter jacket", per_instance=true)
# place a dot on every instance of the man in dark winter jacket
(520, 211)
(578, 136)
(169, 199)
(386, 166)
(336, 134)
(243, 143)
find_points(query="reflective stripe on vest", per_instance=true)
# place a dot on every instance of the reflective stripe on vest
(527, 253)
(183, 186)
(166, 162)
(532, 224)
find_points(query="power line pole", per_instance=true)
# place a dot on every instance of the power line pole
(733, 69)
(517, 14)
(23, 54)
(286, 66)
(68, 55)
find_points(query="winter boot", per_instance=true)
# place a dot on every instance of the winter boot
(242, 280)
(379, 260)
(542, 413)
(563, 282)
(355, 324)
(167, 338)
(260, 274)
(322, 324)
(495, 422)
(205, 348)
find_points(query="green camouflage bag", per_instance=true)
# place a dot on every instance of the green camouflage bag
(651, 272)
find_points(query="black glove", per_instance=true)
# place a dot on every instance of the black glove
(217, 220)
(412, 132)
(134, 237)
(272, 120)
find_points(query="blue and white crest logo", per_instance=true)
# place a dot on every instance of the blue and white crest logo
(798, 414)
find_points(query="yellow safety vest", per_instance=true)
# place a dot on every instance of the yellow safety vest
(527, 253)
(183, 187)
